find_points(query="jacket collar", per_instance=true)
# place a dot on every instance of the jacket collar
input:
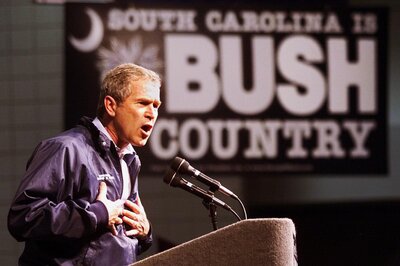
(104, 142)
(101, 141)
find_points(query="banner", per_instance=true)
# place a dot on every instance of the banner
(248, 90)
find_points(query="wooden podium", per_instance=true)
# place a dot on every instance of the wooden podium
(248, 242)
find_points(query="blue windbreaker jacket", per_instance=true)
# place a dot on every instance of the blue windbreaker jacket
(55, 209)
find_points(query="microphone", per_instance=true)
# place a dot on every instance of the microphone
(174, 181)
(182, 166)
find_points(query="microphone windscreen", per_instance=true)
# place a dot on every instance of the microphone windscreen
(176, 163)
(180, 165)
(169, 177)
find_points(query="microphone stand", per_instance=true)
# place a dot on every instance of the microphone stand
(213, 212)
(212, 207)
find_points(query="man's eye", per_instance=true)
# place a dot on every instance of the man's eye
(157, 105)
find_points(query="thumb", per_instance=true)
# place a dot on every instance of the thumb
(139, 202)
(102, 191)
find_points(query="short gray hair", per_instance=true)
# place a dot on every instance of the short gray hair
(119, 81)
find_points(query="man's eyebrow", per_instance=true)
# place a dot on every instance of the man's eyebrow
(144, 99)
(148, 99)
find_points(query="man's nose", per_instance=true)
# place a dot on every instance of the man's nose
(151, 112)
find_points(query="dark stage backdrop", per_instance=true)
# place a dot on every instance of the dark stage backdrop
(248, 89)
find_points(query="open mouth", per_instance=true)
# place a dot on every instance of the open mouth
(147, 128)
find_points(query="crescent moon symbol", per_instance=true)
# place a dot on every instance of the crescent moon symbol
(93, 40)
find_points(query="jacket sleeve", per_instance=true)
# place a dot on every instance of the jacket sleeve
(145, 244)
(44, 206)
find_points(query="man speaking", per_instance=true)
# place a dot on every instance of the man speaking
(78, 202)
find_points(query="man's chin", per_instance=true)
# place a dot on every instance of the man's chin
(140, 143)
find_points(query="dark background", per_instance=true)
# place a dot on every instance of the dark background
(343, 233)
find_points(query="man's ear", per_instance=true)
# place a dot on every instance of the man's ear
(110, 105)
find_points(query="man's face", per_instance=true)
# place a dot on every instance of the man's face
(136, 115)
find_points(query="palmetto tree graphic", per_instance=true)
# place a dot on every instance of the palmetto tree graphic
(131, 52)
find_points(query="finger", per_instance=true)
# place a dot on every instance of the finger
(102, 191)
(133, 206)
(139, 202)
(131, 222)
(113, 230)
(118, 220)
(131, 215)
(128, 221)
(132, 232)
